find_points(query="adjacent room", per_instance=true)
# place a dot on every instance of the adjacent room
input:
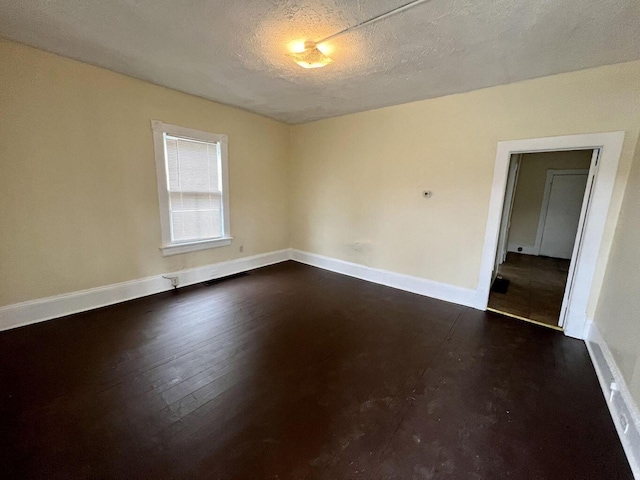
(320, 240)
(540, 228)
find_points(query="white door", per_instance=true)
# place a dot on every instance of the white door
(505, 224)
(563, 214)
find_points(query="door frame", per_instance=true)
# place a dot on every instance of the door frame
(590, 242)
(542, 219)
(505, 221)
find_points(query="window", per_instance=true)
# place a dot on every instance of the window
(191, 167)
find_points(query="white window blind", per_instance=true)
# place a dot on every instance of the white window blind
(194, 183)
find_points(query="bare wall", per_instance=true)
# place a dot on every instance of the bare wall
(617, 314)
(530, 190)
(78, 195)
(359, 178)
(78, 190)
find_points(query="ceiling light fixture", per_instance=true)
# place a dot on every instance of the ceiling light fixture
(310, 54)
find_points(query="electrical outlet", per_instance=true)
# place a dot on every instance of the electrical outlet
(624, 423)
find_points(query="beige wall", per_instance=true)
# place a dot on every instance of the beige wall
(78, 196)
(532, 178)
(359, 177)
(617, 314)
(78, 193)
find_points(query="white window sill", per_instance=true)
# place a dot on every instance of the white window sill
(178, 248)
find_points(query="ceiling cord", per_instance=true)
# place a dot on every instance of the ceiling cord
(375, 19)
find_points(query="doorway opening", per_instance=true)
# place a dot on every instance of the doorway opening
(542, 221)
(585, 281)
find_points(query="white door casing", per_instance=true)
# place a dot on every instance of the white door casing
(610, 145)
(505, 223)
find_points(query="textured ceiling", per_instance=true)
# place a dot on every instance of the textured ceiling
(234, 51)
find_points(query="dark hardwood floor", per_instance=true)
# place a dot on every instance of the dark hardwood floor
(293, 372)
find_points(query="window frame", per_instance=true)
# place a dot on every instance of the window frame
(169, 247)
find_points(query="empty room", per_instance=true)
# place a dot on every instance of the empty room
(383, 239)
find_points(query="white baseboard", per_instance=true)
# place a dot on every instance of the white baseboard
(526, 250)
(33, 311)
(39, 310)
(421, 286)
(624, 411)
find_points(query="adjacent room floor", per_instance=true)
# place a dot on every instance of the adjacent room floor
(293, 372)
(536, 287)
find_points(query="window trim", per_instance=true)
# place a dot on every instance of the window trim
(169, 247)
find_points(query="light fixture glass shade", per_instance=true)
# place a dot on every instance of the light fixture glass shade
(311, 56)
